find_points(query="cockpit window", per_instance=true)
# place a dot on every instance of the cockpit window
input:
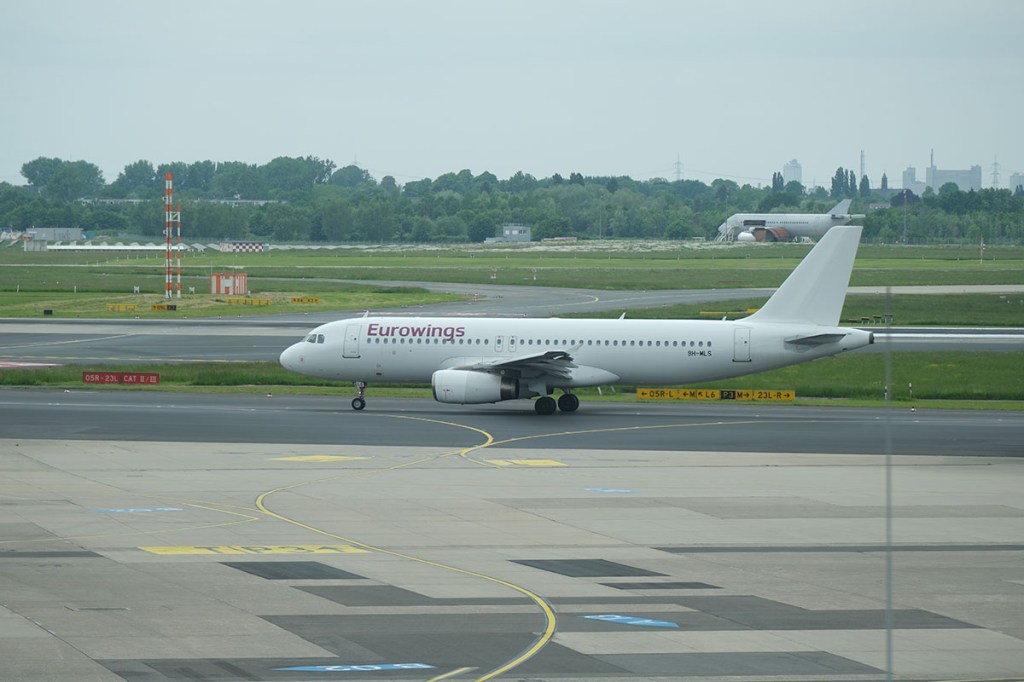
(311, 338)
(319, 338)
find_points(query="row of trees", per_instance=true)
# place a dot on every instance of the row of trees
(312, 200)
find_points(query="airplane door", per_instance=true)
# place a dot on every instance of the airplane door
(351, 349)
(741, 345)
(503, 344)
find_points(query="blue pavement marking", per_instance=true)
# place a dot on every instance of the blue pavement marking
(608, 490)
(633, 620)
(130, 510)
(356, 668)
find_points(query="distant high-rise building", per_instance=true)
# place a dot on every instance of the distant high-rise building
(966, 180)
(935, 178)
(911, 182)
(792, 172)
(1016, 179)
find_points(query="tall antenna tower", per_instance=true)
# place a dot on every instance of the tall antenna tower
(171, 217)
(995, 172)
(861, 164)
(679, 168)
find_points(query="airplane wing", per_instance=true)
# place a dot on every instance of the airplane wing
(557, 363)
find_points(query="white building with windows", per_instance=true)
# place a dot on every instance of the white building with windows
(512, 232)
(792, 172)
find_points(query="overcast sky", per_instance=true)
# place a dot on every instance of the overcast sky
(415, 89)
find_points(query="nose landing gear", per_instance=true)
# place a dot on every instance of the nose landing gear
(359, 402)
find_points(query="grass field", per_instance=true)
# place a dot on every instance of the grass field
(311, 272)
(975, 310)
(933, 376)
(31, 282)
(95, 304)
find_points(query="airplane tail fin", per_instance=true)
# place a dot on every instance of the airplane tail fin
(842, 208)
(815, 291)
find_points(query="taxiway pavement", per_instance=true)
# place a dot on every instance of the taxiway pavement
(196, 537)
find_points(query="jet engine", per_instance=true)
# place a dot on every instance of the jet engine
(467, 387)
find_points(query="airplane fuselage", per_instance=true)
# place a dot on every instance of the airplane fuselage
(652, 352)
(783, 226)
(472, 360)
(773, 227)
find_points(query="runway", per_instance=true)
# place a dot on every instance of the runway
(199, 537)
(262, 338)
(83, 414)
(120, 342)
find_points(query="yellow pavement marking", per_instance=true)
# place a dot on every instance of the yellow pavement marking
(255, 549)
(317, 458)
(447, 675)
(550, 620)
(527, 462)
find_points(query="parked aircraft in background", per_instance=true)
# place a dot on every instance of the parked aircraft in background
(470, 360)
(784, 227)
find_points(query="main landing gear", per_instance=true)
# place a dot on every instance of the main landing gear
(359, 402)
(567, 402)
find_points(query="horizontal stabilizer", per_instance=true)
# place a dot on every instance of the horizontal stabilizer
(817, 339)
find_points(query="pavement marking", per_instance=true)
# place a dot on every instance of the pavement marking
(526, 462)
(550, 620)
(453, 673)
(41, 344)
(133, 510)
(219, 550)
(372, 667)
(615, 429)
(317, 458)
(633, 620)
(15, 365)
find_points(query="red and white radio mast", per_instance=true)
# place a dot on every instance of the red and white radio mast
(171, 217)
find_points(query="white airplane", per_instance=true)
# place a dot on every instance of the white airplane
(471, 360)
(784, 227)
